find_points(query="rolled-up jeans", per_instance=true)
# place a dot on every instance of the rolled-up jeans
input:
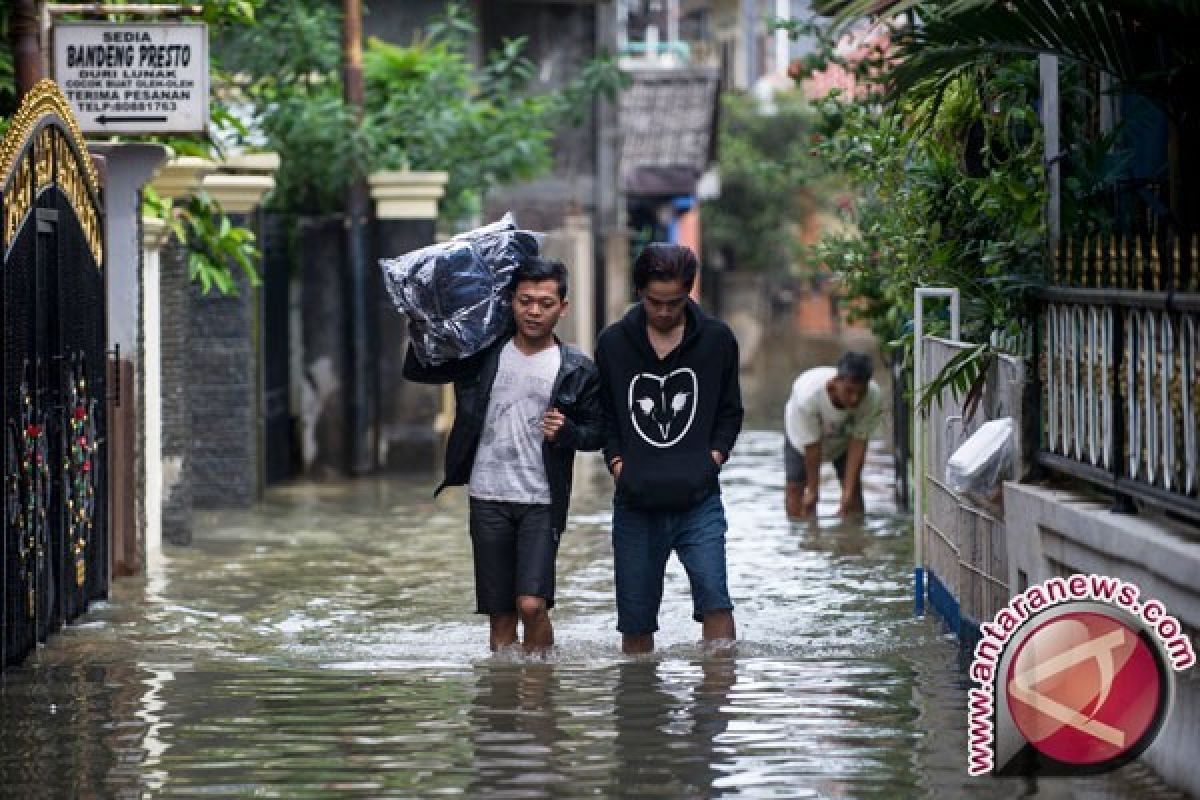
(642, 544)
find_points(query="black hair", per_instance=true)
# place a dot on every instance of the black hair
(855, 366)
(660, 261)
(542, 269)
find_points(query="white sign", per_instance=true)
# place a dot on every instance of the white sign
(134, 78)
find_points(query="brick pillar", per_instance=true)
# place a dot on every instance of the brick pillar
(176, 415)
(222, 402)
(223, 364)
(172, 490)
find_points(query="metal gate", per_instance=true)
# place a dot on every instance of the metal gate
(55, 533)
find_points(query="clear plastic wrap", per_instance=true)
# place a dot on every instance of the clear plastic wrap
(455, 293)
(984, 460)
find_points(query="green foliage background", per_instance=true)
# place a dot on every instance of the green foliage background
(943, 145)
(427, 106)
(948, 190)
(771, 181)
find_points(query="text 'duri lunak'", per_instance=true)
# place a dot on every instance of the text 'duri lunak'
(134, 78)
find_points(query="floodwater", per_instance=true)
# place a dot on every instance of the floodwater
(322, 645)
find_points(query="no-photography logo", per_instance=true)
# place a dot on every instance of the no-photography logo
(1074, 676)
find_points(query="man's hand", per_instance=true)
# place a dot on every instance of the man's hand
(614, 467)
(808, 503)
(716, 457)
(552, 422)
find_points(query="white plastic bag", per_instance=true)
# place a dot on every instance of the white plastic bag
(984, 460)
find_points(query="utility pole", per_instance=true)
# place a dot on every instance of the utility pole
(357, 210)
(23, 35)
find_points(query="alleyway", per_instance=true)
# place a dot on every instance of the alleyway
(322, 646)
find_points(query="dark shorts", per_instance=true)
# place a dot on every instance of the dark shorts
(642, 544)
(794, 470)
(514, 545)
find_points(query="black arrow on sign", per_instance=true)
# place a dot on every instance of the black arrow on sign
(104, 119)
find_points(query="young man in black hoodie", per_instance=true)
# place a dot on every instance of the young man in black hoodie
(669, 379)
(523, 407)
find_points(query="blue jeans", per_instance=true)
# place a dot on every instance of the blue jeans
(642, 544)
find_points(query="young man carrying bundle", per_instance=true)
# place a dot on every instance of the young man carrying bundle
(523, 406)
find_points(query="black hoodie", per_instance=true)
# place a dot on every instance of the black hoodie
(665, 416)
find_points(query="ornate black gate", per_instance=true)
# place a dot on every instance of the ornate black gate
(55, 533)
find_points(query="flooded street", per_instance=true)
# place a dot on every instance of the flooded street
(323, 646)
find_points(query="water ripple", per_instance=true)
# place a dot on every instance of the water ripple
(322, 645)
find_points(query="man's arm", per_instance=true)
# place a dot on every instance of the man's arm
(585, 428)
(812, 478)
(864, 424)
(449, 372)
(611, 425)
(856, 453)
(729, 411)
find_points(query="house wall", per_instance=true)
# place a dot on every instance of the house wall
(222, 384)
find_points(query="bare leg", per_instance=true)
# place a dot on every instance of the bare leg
(539, 633)
(503, 630)
(634, 644)
(718, 625)
(793, 499)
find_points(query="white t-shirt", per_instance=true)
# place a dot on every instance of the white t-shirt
(810, 415)
(508, 464)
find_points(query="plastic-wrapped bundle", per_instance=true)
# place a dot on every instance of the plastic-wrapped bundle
(984, 460)
(455, 293)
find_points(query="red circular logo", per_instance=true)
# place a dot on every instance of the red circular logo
(1084, 688)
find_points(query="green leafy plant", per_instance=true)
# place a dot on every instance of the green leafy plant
(1146, 48)
(917, 218)
(963, 376)
(214, 243)
(945, 188)
(8, 89)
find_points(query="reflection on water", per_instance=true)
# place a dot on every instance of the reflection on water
(323, 646)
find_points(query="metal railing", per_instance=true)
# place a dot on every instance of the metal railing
(1118, 351)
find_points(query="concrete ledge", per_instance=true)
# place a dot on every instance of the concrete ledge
(238, 194)
(154, 233)
(1053, 524)
(407, 195)
(181, 177)
(252, 163)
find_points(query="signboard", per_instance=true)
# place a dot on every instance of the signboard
(132, 77)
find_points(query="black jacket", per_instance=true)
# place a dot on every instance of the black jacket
(665, 416)
(576, 394)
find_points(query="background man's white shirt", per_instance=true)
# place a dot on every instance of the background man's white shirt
(811, 417)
